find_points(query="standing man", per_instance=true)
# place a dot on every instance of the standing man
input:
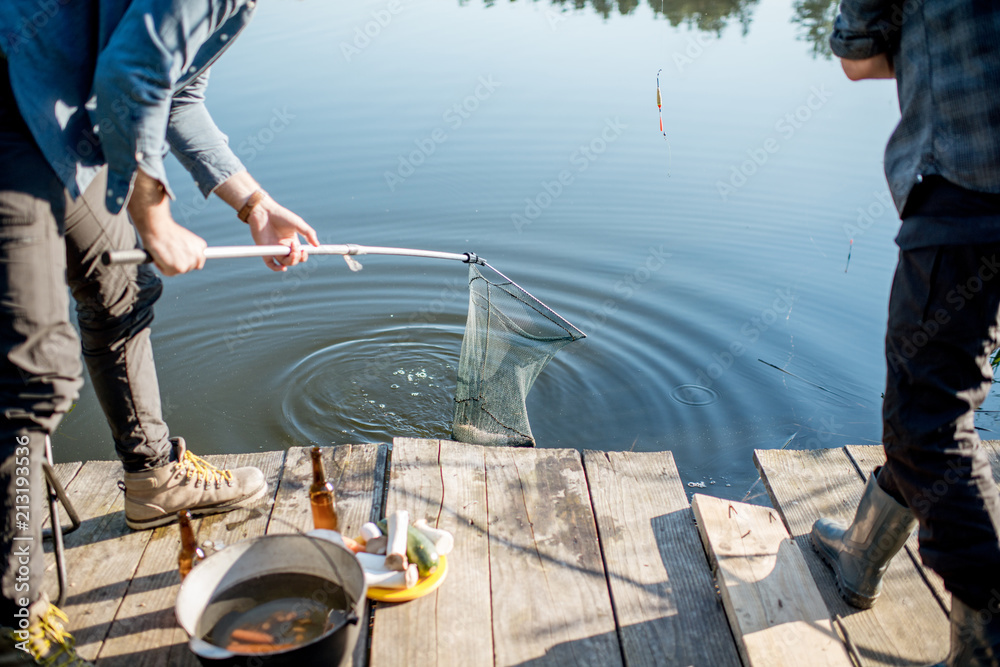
(92, 95)
(943, 167)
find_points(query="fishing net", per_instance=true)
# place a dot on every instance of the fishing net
(510, 336)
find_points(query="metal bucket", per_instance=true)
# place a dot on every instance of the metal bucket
(228, 577)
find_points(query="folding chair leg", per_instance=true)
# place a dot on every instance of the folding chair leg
(56, 495)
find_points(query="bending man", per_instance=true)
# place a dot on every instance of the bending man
(91, 99)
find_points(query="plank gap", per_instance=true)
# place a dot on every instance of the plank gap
(607, 568)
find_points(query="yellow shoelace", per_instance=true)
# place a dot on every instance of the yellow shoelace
(51, 629)
(202, 468)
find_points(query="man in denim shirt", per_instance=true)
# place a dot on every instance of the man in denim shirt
(943, 168)
(92, 95)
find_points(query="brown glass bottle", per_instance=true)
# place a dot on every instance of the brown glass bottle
(190, 553)
(324, 504)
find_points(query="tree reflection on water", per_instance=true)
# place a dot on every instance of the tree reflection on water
(706, 15)
(814, 17)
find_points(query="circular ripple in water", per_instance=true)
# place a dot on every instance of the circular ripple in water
(398, 382)
(694, 394)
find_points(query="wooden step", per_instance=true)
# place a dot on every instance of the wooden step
(907, 626)
(775, 610)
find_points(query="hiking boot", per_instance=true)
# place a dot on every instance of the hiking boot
(860, 553)
(188, 482)
(975, 637)
(44, 642)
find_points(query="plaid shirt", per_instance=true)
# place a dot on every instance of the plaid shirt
(947, 59)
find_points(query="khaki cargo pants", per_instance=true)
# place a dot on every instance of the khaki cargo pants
(48, 241)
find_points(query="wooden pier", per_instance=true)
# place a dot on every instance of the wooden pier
(561, 558)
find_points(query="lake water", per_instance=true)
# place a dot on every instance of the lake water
(709, 273)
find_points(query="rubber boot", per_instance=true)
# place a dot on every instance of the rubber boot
(860, 553)
(975, 637)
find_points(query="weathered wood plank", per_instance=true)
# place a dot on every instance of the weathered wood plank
(664, 598)
(102, 555)
(869, 457)
(357, 473)
(445, 483)
(775, 610)
(992, 448)
(65, 472)
(907, 626)
(145, 631)
(551, 604)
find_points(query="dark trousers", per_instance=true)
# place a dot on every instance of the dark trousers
(944, 321)
(49, 241)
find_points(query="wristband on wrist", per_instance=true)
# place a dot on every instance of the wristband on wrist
(256, 198)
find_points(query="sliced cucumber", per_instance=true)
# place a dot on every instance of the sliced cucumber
(419, 549)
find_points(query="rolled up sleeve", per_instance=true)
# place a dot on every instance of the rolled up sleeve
(197, 142)
(133, 82)
(149, 85)
(864, 29)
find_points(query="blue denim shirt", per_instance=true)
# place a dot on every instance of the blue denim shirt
(947, 59)
(121, 82)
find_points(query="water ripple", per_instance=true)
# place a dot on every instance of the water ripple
(395, 382)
